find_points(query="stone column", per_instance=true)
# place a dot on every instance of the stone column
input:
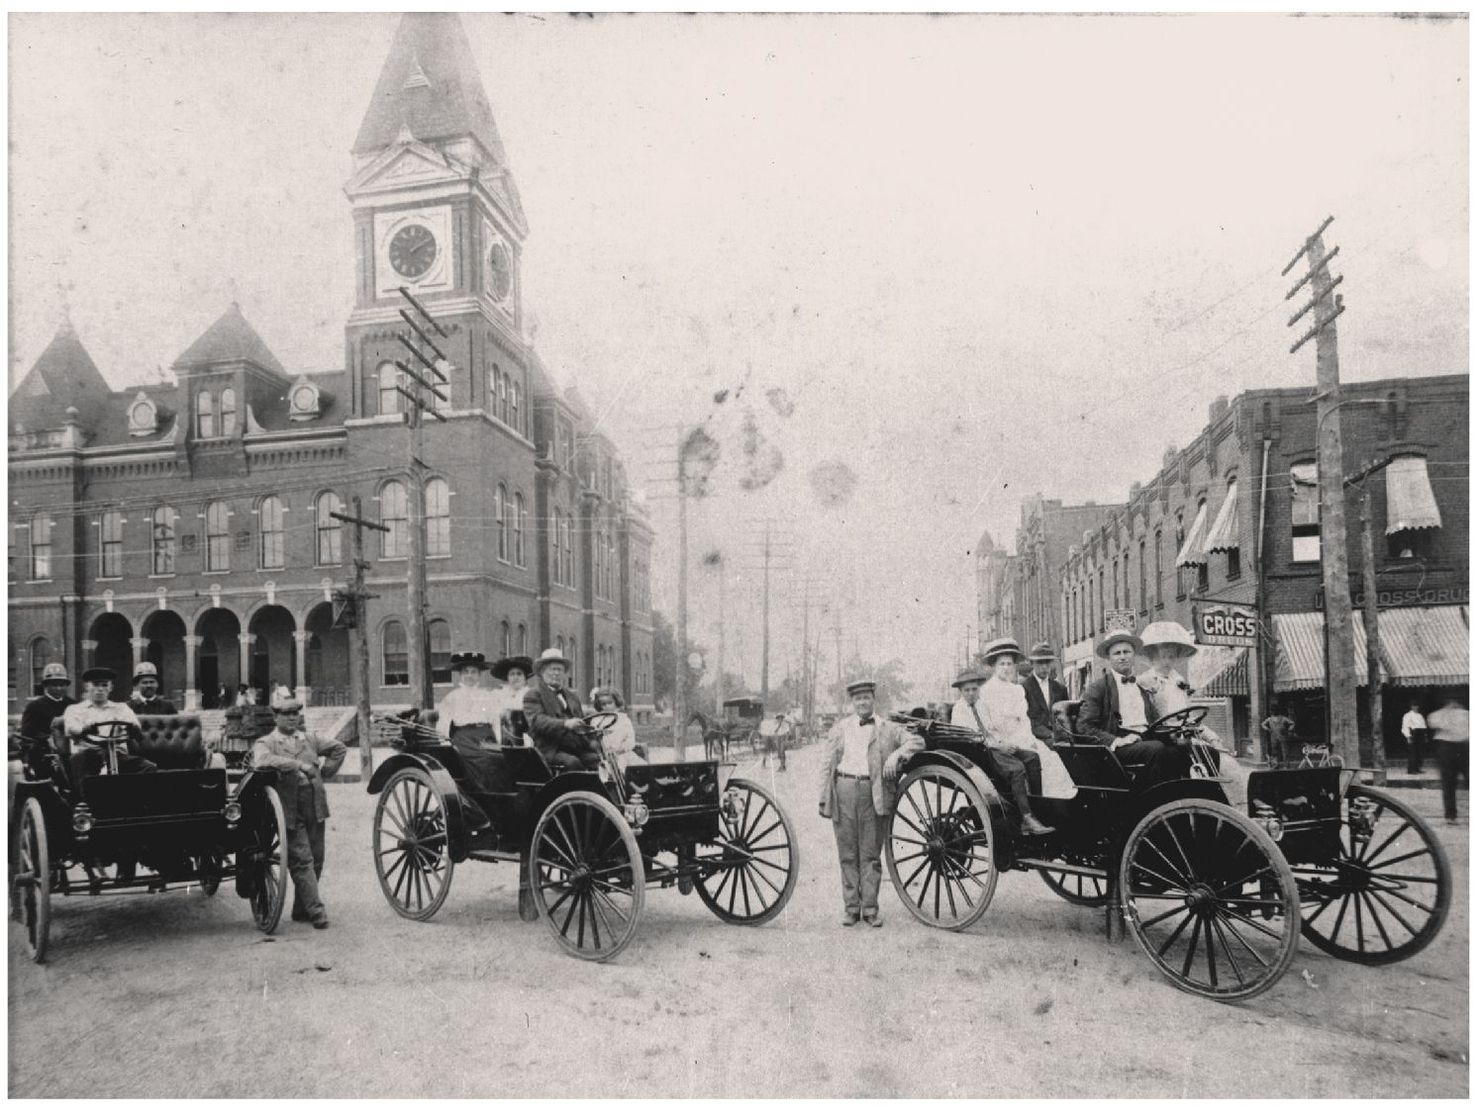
(301, 684)
(244, 661)
(89, 651)
(192, 694)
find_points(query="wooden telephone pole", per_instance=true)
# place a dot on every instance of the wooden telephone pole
(355, 597)
(1343, 727)
(682, 664)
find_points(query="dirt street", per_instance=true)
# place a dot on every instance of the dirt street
(180, 996)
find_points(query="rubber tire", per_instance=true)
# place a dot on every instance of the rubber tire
(977, 802)
(31, 842)
(267, 918)
(713, 903)
(595, 803)
(438, 894)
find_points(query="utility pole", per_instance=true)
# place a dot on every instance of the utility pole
(432, 379)
(766, 613)
(1343, 727)
(360, 662)
(682, 666)
(1375, 754)
(720, 631)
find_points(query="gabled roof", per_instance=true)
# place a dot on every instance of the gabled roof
(63, 376)
(429, 86)
(229, 339)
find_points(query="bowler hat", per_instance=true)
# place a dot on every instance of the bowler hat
(467, 660)
(501, 668)
(146, 669)
(99, 674)
(970, 675)
(1041, 651)
(859, 686)
(550, 655)
(999, 648)
(56, 671)
(1113, 637)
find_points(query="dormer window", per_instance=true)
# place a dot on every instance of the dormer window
(205, 415)
(144, 416)
(228, 412)
(303, 401)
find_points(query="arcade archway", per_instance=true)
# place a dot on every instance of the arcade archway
(274, 661)
(218, 671)
(114, 648)
(326, 659)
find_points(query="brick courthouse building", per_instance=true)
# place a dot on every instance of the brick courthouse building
(187, 523)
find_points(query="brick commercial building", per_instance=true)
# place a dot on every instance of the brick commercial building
(1229, 530)
(188, 522)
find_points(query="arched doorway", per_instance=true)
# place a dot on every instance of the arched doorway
(114, 649)
(326, 659)
(164, 634)
(218, 660)
(273, 657)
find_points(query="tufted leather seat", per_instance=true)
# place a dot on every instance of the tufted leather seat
(172, 742)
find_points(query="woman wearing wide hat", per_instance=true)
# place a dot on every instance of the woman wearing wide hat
(1007, 716)
(509, 698)
(468, 717)
(1168, 646)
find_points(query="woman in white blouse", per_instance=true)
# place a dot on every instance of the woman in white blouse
(1007, 717)
(512, 673)
(1169, 646)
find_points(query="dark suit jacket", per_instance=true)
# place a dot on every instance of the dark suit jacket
(1040, 721)
(1100, 717)
(544, 715)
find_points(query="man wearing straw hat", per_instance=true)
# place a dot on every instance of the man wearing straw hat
(554, 714)
(1115, 711)
(1014, 767)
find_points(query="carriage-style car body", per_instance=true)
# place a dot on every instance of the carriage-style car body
(590, 843)
(740, 722)
(184, 824)
(1215, 897)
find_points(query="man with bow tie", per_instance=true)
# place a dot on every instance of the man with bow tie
(862, 756)
(1116, 711)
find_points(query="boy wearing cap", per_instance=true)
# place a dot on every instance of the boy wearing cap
(862, 756)
(52, 704)
(1115, 711)
(147, 700)
(296, 755)
(1018, 769)
(85, 717)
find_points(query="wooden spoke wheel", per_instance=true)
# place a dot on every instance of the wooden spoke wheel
(587, 875)
(268, 855)
(208, 872)
(1210, 899)
(1077, 887)
(940, 850)
(33, 879)
(747, 874)
(1386, 896)
(409, 838)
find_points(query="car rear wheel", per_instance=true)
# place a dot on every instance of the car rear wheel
(409, 839)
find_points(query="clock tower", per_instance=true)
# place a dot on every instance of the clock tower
(436, 212)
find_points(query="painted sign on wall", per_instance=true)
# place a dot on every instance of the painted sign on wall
(1225, 624)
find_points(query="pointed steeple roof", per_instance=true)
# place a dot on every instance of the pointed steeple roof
(430, 87)
(229, 339)
(63, 377)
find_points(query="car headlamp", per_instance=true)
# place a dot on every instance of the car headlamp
(232, 812)
(82, 820)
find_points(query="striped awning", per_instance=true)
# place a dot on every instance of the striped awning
(1223, 536)
(1300, 651)
(1231, 679)
(1409, 501)
(1425, 645)
(1193, 552)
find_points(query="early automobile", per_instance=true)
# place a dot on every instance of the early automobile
(183, 824)
(592, 842)
(1216, 898)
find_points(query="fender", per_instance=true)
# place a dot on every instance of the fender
(1203, 789)
(999, 824)
(55, 812)
(442, 781)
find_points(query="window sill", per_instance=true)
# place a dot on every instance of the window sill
(440, 556)
(335, 564)
(107, 579)
(163, 575)
(33, 582)
(271, 569)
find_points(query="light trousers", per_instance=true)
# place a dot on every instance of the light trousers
(859, 834)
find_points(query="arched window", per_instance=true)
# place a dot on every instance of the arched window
(504, 638)
(162, 535)
(270, 532)
(503, 408)
(218, 537)
(328, 532)
(517, 529)
(1114, 585)
(440, 651)
(392, 498)
(41, 546)
(205, 415)
(1158, 568)
(554, 531)
(491, 390)
(394, 653)
(568, 555)
(40, 655)
(560, 644)
(517, 417)
(436, 518)
(228, 412)
(520, 639)
(388, 379)
(598, 588)
(572, 653)
(501, 526)
(1306, 541)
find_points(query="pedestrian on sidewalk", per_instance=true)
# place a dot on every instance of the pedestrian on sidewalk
(862, 757)
(1413, 727)
(1449, 730)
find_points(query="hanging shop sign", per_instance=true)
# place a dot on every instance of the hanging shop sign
(1225, 624)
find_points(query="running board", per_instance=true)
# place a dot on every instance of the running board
(486, 855)
(1059, 868)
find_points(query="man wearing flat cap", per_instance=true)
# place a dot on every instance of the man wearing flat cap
(303, 762)
(554, 715)
(147, 700)
(1115, 711)
(862, 758)
(1043, 692)
(83, 719)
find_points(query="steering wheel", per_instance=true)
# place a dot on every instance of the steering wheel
(601, 721)
(107, 733)
(1183, 721)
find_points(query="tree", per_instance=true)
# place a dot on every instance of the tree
(666, 663)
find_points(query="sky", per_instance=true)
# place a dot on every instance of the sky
(936, 264)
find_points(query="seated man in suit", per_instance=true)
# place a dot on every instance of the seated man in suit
(1042, 691)
(554, 713)
(1116, 712)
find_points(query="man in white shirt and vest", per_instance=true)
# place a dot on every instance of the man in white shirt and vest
(862, 758)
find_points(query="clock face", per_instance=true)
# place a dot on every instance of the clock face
(413, 250)
(304, 398)
(142, 414)
(501, 272)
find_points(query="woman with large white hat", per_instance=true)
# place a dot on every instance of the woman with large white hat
(1168, 645)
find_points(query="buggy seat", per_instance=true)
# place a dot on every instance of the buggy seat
(1092, 765)
(172, 742)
